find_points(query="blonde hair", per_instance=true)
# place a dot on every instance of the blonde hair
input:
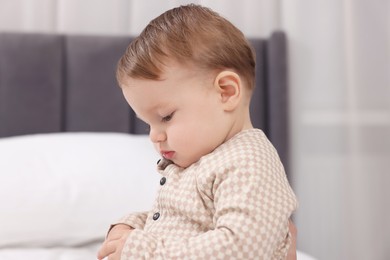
(189, 33)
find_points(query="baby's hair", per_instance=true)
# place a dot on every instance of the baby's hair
(188, 34)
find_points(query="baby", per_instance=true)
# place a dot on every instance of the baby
(224, 193)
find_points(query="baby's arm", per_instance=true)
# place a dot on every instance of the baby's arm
(118, 233)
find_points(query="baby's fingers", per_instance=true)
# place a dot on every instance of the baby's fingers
(114, 242)
(109, 247)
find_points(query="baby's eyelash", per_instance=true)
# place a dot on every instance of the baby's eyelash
(168, 117)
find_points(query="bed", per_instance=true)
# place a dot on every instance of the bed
(67, 138)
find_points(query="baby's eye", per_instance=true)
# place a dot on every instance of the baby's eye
(168, 117)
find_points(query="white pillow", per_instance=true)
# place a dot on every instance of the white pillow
(65, 189)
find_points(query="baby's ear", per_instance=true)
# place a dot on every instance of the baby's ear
(228, 85)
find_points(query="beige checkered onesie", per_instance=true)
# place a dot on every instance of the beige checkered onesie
(234, 203)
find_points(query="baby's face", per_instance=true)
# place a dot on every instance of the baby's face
(183, 110)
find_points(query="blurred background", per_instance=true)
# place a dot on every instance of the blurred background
(339, 89)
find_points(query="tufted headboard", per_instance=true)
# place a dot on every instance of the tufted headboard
(60, 83)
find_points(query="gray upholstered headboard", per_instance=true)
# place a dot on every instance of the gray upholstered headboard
(57, 83)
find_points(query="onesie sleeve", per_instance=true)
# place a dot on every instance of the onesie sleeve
(253, 202)
(134, 220)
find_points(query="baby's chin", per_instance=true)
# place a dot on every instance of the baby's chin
(185, 164)
(182, 165)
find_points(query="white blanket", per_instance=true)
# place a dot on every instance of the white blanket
(56, 253)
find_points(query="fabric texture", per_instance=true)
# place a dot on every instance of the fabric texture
(234, 203)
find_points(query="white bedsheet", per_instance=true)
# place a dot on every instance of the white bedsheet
(56, 253)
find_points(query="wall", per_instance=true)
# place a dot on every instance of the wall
(340, 117)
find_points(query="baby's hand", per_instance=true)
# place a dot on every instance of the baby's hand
(113, 245)
(292, 251)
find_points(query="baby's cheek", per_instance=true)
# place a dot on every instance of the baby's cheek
(177, 137)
